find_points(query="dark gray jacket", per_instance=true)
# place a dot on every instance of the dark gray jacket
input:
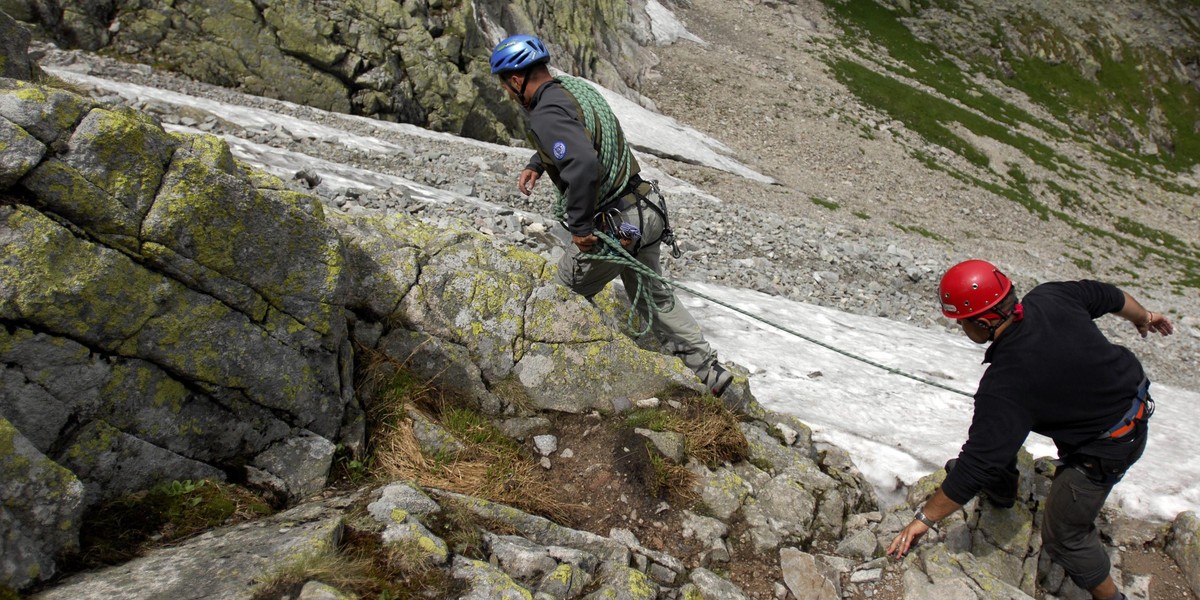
(568, 152)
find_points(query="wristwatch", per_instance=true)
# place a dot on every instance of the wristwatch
(920, 516)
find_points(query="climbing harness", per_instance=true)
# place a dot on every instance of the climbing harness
(610, 225)
(1139, 410)
(668, 234)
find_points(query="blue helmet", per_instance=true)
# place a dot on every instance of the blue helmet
(517, 53)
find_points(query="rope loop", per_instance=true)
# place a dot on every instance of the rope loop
(613, 252)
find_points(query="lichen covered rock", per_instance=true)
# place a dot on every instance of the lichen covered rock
(416, 62)
(41, 506)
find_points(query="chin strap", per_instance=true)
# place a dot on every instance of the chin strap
(1016, 314)
(521, 92)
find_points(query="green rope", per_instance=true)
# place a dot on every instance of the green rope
(618, 255)
(612, 150)
(614, 253)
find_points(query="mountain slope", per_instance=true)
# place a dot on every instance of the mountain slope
(894, 142)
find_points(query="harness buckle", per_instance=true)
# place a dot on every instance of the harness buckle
(1140, 409)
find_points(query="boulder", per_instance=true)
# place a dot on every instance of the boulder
(223, 563)
(41, 506)
(14, 51)
(1184, 547)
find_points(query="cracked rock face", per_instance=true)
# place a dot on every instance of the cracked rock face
(170, 313)
(416, 62)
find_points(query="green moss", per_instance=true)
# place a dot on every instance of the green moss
(921, 231)
(110, 298)
(826, 204)
(15, 466)
(639, 585)
(91, 446)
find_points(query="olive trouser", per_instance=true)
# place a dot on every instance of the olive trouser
(1080, 487)
(673, 324)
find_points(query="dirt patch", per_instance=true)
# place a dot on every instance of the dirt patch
(607, 477)
(1166, 580)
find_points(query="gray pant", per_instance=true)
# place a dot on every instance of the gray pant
(1069, 533)
(675, 327)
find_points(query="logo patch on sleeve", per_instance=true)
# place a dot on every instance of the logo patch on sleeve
(559, 150)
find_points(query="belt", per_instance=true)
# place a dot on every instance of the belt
(1140, 409)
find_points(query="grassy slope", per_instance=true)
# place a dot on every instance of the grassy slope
(927, 89)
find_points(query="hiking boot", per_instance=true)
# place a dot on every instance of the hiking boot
(717, 378)
(996, 500)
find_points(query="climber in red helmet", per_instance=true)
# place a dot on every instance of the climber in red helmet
(1052, 371)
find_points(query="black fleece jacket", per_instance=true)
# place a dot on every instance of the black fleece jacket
(1054, 373)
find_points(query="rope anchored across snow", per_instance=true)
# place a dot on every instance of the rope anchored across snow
(615, 253)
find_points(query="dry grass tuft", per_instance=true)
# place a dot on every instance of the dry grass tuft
(711, 433)
(671, 480)
(492, 466)
(495, 473)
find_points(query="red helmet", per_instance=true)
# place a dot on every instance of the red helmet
(972, 288)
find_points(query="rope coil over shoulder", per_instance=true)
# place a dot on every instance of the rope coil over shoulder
(612, 150)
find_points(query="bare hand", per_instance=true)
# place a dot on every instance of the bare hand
(585, 243)
(906, 539)
(1156, 322)
(527, 180)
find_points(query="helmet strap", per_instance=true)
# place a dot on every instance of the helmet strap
(524, 85)
(1016, 314)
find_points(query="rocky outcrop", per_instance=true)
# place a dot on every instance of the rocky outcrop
(829, 539)
(14, 39)
(169, 313)
(225, 563)
(1184, 546)
(416, 61)
(525, 555)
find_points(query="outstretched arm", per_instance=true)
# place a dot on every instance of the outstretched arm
(1145, 321)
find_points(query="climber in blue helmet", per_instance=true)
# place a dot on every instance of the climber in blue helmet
(583, 149)
(518, 54)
